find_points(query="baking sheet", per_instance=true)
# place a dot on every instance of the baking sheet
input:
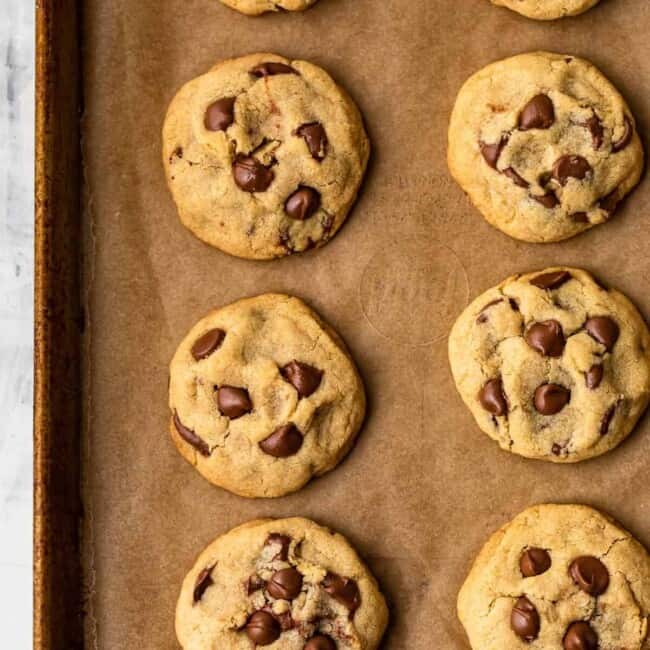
(423, 487)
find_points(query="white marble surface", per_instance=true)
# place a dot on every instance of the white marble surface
(16, 319)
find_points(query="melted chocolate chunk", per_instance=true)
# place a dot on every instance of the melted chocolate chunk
(262, 628)
(283, 442)
(590, 574)
(207, 344)
(548, 200)
(524, 619)
(220, 114)
(272, 68)
(190, 437)
(251, 175)
(567, 167)
(320, 642)
(604, 330)
(316, 139)
(203, 581)
(491, 152)
(551, 280)
(626, 138)
(304, 378)
(534, 562)
(343, 590)
(595, 127)
(594, 376)
(537, 114)
(580, 636)
(551, 398)
(285, 584)
(610, 202)
(515, 177)
(233, 402)
(546, 338)
(607, 420)
(302, 204)
(492, 397)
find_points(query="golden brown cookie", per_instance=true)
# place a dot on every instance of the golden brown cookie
(264, 156)
(285, 584)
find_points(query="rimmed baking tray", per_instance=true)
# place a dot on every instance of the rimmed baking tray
(119, 516)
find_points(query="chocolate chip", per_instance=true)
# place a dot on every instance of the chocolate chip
(255, 583)
(567, 167)
(604, 330)
(285, 584)
(271, 68)
(303, 203)
(492, 397)
(203, 581)
(610, 202)
(233, 402)
(284, 541)
(320, 642)
(316, 139)
(546, 338)
(626, 138)
(537, 114)
(343, 590)
(482, 316)
(548, 200)
(515, 178)
(534, 562)
(283, 442)
(220, 114)
(607, 419)
(491, 152)
(594, 376)
(590, 574)
(524, 619)
(262, 628)
(251, 175)
(190, 437)
(580, 636)
(579, 217)
(551, 280)
(207, 344)
(551, 398)
(595, 127)
(556, 449)
(303, 377)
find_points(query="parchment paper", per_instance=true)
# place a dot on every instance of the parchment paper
(423, 488)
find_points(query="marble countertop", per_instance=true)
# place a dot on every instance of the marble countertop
(16, 320)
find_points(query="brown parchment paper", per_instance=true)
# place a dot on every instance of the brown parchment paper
(423, 488)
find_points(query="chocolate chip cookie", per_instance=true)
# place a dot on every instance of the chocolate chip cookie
(287, 584)
(544, 146)
(558, 576)
(547, 9)
(264, 396)
(257, 7)
(264, 156)
(552, 364)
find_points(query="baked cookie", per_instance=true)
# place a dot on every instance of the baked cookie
(552, 365)
(264, 396)
(544, 146)
(547, 9)
(257, 7)
(286, 584)
(264, 156)
(558, 576)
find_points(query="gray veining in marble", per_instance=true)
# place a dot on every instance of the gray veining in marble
(16, 319)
